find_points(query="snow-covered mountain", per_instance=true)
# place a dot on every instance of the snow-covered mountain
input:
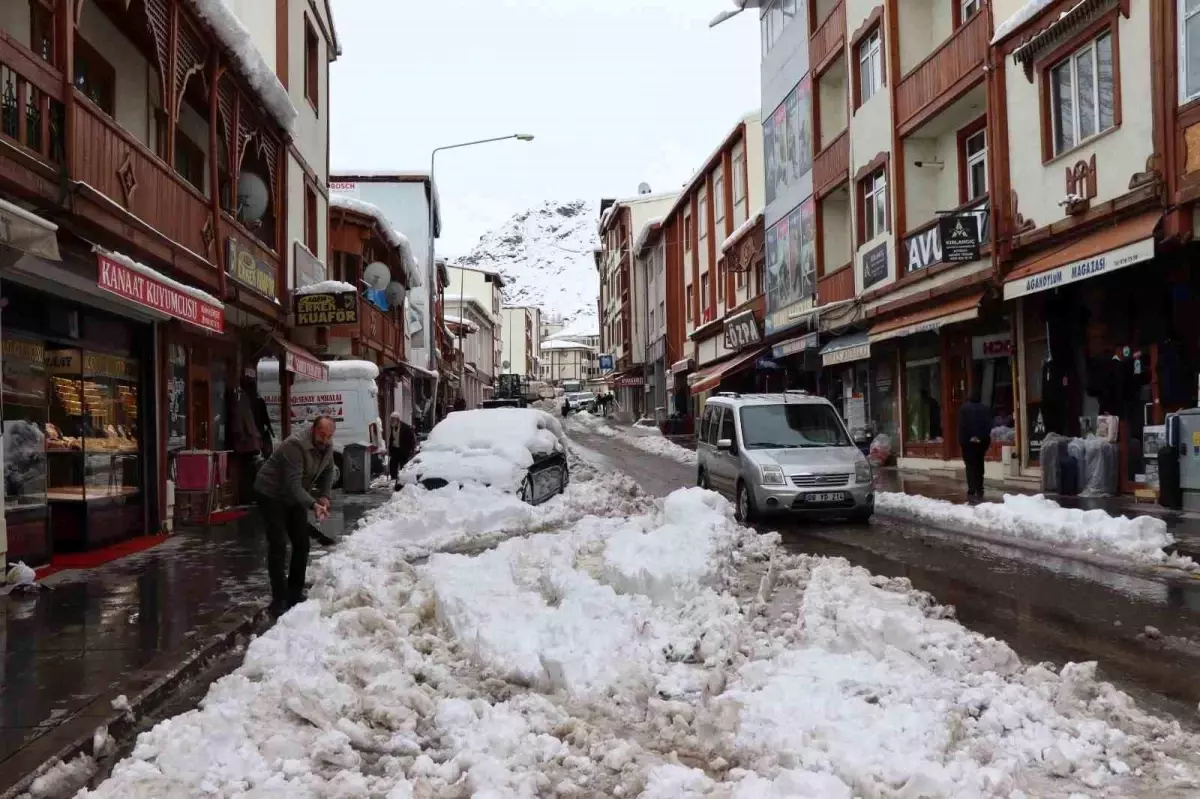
(545, 257)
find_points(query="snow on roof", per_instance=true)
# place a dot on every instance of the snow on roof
(249, 61)
(458, 320)
(742, 229)
(268, 368)
(584, 328)
(392, 236)
(391, 176)
(606, 217)
(482, 270)
(565, 345)
(154, 274)
(1023, 14)
(752, 116)
(327, 287)
(648, 229)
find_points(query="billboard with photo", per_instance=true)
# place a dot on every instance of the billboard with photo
(788, 141)
(791, 265)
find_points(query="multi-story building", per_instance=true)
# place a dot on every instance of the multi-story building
(521, 335)
(620, 336)
(474, 326)
(147, 174)
(486, 289)
(566, 360)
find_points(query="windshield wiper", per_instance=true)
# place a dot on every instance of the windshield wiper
(772, 445)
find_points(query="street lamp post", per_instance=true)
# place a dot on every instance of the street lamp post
(432, 256)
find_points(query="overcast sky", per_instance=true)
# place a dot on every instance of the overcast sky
(616, 91)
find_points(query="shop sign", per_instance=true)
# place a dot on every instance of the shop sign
(875, 266)
(765, 364)
(923, 249)
(305, 367)
(859, 352)
(741, 331)
(97, 364)
(306, 407)
(309, 269)
(64, 362)
(330, 308)
(254, 273)
(1036, 426)
(629, 381)
(606, 363)
(959, 235)
(19, 231)
(24, 371)
(998, 345)
(1075, 271)
(158, 295)
(799, 344)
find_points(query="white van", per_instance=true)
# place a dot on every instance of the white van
(350, 396)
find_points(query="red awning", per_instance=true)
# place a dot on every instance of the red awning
(710, 377)
(300, 361)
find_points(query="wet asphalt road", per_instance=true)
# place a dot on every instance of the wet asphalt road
(1047, 609)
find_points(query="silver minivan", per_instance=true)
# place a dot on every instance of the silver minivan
(782, 452)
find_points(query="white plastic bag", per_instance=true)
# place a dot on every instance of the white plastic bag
(881, 449)
(20, 574)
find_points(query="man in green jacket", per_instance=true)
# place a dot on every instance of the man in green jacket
(297, 478)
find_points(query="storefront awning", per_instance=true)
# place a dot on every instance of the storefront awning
(1106, 250)
(846, 349)
(808, 341)
(709, 378)
(28, 233)
(682, 365)
(301, 362)
(928, 320)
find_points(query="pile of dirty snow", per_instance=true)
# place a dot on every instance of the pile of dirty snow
(659, 445)
(1041, 521)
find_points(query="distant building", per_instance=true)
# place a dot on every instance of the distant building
(521, 338)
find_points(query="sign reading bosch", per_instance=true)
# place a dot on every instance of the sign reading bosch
(1080, 270)
(327, 309)
(741, 331)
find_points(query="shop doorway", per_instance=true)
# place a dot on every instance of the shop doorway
(199, 411)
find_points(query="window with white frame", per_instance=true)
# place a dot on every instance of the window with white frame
(702, 212)
(687, 233)
(739, 177)
(874, 206)
(975, 154)
(1189, 49)
(775, 19)
(870, 66)
(719, 197)
(690, 298)
(1082, 94)
(967, 9)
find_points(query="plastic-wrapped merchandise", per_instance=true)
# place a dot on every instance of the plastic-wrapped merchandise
(881, 449)
(1068, 476)
(1054, 450)
(1099, 467)
(1075, 449)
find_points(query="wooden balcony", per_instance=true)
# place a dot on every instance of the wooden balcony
(828, 40)
(379, 331)
(31, 108)
(944, 75)
(831, 167)
(836, 286)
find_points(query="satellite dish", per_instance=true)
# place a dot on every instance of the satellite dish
(253, 197)
(396, 292)
(643, 188)
(377, 276)
(504, 365)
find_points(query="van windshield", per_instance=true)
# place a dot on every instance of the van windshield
(792, 426)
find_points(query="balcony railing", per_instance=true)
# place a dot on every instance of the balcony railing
(939, 79)
(31, 109)
(829, 39)
(832, 164)
(378, 331)
(836, 286)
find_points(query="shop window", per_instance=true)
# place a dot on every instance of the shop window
(177, 375)
(94, 76)
(1083, 100)
(312, 62)
(992, 377)
(869, 78)
(1188, 12)
(923, 395)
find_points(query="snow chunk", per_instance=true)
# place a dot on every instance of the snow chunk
(327, 287)
(1139, 540)
(458, 320)
(644, 234)
(250, 62)
(562, 344)
(1022, 15)
(649, 440)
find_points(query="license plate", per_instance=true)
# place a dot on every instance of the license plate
(837, 496)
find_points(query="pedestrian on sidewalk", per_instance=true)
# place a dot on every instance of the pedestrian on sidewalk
(297, 478)
(402, 444)
(975, 436)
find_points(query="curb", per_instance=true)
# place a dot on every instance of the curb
(1147, 570)
(74, 736)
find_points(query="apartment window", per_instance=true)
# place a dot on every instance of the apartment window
(687, 233)
(652, 327)
(775, 20)
(703, 292)
(1189, 49)
(870, 66)
(703, 213)
(975, 159)
(662, 311)
(310, 218)
(719, 197)
(691, 296)
(189, 160)
(94, 76)
(41, 32)
(739, 177)
(312, 60)
(967, 9)
(874, 204)
(1083, 94)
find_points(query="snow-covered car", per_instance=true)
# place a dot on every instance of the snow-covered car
(517, 450)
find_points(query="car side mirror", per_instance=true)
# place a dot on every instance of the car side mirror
(725, 445)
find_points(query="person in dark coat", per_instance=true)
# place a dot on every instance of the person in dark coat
(975, 436)
(402, 444)
(297, 478)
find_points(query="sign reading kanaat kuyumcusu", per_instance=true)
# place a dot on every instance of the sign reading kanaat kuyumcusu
(327, 309)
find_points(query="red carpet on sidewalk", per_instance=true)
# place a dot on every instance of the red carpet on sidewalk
(89, 560)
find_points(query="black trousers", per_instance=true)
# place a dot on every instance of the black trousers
(394, 454)
(285, 523)
(973, 453)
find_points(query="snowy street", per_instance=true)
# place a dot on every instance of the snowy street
(612, 643)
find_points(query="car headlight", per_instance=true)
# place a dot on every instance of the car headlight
(772, 476)
(862, 471)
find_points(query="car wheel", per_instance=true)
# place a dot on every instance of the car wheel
(337, 470)
(702, 480)
(745, 511)
(862, 516)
